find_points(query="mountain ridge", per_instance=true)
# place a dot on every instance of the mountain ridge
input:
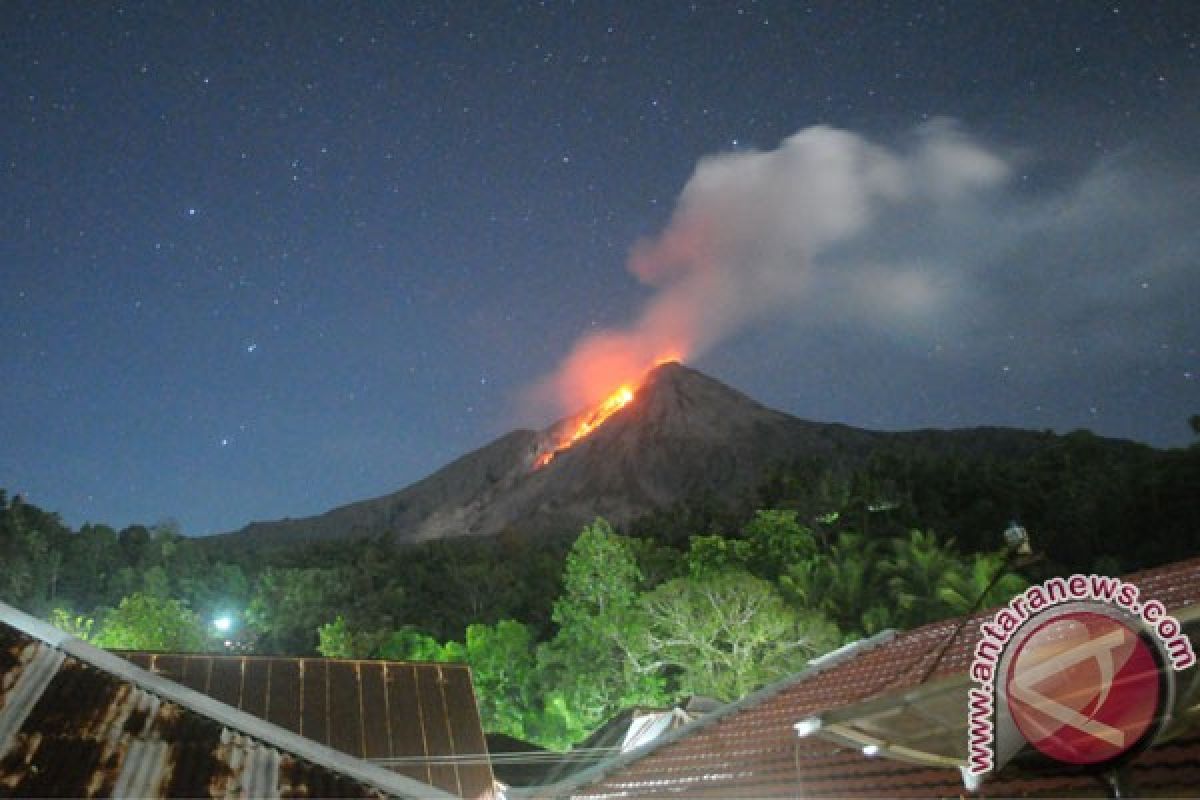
(682, 434)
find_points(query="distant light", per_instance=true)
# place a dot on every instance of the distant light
(223, 623)
(871, 750)
(808, 726)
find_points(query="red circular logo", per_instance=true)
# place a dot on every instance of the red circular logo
(1084, 688)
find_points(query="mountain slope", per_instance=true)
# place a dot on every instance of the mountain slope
(683, 433)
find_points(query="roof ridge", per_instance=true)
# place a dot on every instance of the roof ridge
(269, 657)
(815, 667)
(951, 625)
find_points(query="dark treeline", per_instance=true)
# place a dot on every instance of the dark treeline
(440, 586)
(562, 631)
(1090, 503)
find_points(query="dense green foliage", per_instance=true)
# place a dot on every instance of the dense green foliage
(149, 622)
(563, 632)
(729, 633)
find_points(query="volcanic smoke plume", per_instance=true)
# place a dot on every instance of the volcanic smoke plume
(747, 238)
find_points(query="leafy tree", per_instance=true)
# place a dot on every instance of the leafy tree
(148, 622)
(844, 582)
(984, 582)
(219, 587)
(600, 583)
(714, 554)
(336, 640)
(657, 562)
(556, 723)
(30, 556)
(770, 541)
(123, 582)
(290, 604)
(592, 659)
(136, 546)
(77, 625)
(409, 644)
(777, 539)
(503, 668)
(88, 558)
(155, 581)
(918, 568)
(730, 633)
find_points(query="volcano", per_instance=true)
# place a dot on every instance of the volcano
(677, 435)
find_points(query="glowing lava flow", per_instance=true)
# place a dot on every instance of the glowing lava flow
(614, 403)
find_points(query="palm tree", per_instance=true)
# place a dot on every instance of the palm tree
(844, 582)
(986, 582)
(917, 570)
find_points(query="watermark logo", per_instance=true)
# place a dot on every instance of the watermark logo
(1078, 669)
(1084, 687)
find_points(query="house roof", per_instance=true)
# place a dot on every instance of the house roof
(76, 721)
(517, 762)
(750, 748)
(626, 731)
(419, 719)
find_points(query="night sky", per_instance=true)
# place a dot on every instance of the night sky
(262, 259)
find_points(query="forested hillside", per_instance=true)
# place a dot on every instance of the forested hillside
(563, 630)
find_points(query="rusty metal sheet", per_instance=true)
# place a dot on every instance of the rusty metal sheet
(254, 687)
(437, 728)
(143, 660)
(314, 710)
(225, 682)
(345, 708)
(169, 665)
(197, 671)
(406, 724)
(475, 779)
(283, 693)
(376, 736)
(70, 727)
(300, 779)
(405, 716)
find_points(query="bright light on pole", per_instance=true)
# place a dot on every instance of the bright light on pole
(223, 623)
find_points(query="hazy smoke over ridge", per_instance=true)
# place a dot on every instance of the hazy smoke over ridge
(752, 234)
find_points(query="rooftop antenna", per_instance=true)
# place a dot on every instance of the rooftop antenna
(1017, 552)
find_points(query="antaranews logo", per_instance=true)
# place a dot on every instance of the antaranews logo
(1078, 668)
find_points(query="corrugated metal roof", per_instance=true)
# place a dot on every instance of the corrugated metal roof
(750, 749)
(76, 721)
(420, 719)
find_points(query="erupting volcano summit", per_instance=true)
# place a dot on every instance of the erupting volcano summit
(588, 421)
(674, 437)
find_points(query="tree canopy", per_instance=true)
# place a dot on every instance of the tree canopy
(147, 622)
(564, 631)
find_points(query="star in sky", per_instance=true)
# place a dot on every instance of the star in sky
(328, 226)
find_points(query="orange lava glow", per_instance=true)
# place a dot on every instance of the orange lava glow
(594, 419)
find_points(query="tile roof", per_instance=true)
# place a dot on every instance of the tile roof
(420, 719)
(750, 749)
(76, 721)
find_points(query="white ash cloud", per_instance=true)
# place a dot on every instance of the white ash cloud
(930, 241)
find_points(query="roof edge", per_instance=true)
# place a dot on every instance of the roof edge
(599, 771)
(247, 724)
